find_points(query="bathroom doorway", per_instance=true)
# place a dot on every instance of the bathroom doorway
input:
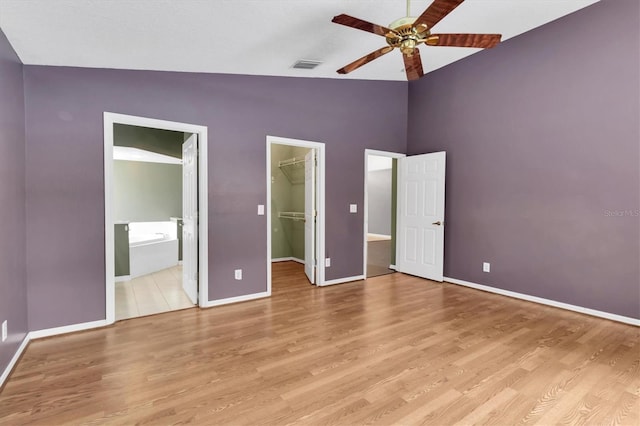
(295, 208)
(154, 243)
(380, 212)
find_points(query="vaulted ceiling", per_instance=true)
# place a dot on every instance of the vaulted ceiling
(255, 37)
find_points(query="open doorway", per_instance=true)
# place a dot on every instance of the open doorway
(380, 212)
(154, 176)
(295, 210)
(148, 213)
(417, 214)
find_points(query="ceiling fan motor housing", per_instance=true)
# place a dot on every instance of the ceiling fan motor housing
(406, 37)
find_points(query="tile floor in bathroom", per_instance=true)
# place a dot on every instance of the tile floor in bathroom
(151, 294)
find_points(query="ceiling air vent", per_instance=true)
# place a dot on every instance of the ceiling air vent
(305, 64)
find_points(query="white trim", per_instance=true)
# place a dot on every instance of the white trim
(392, 267)
(548, 302)
(287, 259)
(123, 278)
(320, 193)
(203, 230)
(236, 299)
(48, 332)
(381, 236)
(344, 280)
(365, 207)
(14, 359)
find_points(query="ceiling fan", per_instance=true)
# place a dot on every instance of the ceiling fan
(409, 32)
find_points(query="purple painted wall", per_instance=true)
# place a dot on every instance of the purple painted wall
(13, 287)
(65, 169)
(542, 141)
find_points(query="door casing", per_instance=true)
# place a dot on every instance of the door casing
(110, 119)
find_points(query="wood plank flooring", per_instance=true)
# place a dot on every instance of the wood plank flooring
(392, 350)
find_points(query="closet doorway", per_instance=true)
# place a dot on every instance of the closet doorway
(152, 215)
(380, 207)
(295, 208)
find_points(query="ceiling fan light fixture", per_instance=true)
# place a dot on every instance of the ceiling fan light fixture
(408, 45)
(408, 32)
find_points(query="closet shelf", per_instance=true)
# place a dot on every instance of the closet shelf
(293, 169)
(291, 215)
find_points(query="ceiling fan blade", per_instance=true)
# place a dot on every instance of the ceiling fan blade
(413, 65)
(483, 41)
(359, 24)
(365, 60)
(434, 13)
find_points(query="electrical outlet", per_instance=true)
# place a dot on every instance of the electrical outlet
(353, 208)
(327, 262)
(486, 267)
(4, 330)
(260, 209)
(238, 274)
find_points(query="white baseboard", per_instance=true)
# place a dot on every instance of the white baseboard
(287, 259)
(548, 302)
(14, 360)
(39, 334)
(180, 262)
(236, 299)
(392, 267)
(123, 278)
(343, 280)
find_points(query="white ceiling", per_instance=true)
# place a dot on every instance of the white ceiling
(259, 37)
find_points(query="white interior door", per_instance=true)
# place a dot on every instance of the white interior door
(420, 236)
(190, 218)
(310, 214)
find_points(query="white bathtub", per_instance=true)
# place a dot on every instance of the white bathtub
(153, 246)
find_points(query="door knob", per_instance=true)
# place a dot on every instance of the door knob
(437, 223)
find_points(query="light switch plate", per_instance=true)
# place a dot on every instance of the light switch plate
(327, 262)
(4, 330)
(260, 209)
(353, 208)
(238, 274)
(486, 267)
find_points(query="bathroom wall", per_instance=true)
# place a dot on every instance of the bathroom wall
(379, 201)
(146, 192)
(13, 284)
(165, 142)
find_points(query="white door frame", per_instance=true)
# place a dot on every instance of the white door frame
(367, 153)
(203, 232)
(320, 205)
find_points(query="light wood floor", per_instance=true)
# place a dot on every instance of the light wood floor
(151, 294)
(394, 350)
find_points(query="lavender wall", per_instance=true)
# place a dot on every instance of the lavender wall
(542, 144)
(13, 290)
(65, 173)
